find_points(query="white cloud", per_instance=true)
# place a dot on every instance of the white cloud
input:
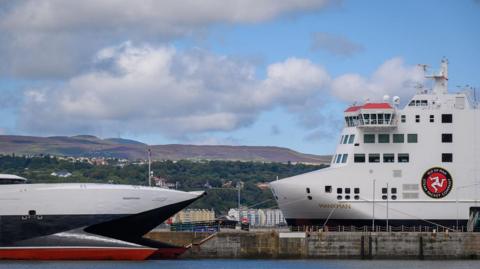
(335, 44)
(159, 89)
(188, 94)
(392, 78)
(55, 38)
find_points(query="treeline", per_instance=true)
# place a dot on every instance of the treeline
(213, 176)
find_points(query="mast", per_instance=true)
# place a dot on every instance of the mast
(440, 85)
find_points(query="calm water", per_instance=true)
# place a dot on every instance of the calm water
(248, 264)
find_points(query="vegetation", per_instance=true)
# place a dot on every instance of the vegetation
(219, 178)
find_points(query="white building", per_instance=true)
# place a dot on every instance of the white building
(258, 217)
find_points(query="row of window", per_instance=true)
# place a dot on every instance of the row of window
(340, 158)
(347, 139)
(385, 138)
(375, 158)
(446, 118)
(387, 158)
(369, 119)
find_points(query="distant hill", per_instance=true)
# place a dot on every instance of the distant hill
(91, 146)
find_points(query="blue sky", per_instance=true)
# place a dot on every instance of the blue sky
(221, 72)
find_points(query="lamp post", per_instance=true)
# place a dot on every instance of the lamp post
(373, 207)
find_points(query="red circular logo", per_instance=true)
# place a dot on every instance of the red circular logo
(437, 182)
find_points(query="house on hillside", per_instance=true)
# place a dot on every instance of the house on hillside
(62, 173)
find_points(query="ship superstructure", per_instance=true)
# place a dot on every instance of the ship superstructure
(84, 221)
(416, 165)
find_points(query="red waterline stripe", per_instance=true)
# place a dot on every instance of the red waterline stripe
(133, 254)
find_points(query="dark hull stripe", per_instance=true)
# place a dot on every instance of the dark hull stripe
(379, 222)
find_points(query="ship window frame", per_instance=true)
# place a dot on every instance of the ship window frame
(432, 118)
(447, 138)
(412, 138)
(447, 157)
(339, 157)
(447, 118)
(345, 139)
(412, 103)
(396, 140)
(328, 189)
(307, 190)
(372, 157)
(403, 118)
(341, 139)
(380, 118)
(358, 157)
(339, 190)
(356, 190)
(417, 118)
(351, 139)
(401, 157)
(347, 190)
(384, 190)
(381, 138)
(344, 158)
(390, 156)
(369, 141)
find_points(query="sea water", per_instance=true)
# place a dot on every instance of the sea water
(247, 264)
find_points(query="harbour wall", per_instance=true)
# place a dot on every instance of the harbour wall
(324, 245)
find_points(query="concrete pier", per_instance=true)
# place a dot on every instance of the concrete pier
(325, 245)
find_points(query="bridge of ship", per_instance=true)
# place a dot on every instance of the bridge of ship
(371, 116)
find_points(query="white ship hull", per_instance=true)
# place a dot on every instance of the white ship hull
(86, 221)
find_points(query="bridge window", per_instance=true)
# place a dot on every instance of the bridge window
(351, 138)
(388, 158)
(339, 156)
(344, 158)
(447, 138)
(368, 138)
(447, 157)
(447, 118)
(383, 138)
(359, 158)
(412, 138)
(345, 139)
(398, 138)
(403, 158)
(373, 158)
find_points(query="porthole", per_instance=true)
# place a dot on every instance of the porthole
(339, 197)
(309, 197)
(394, 197)
(356, 197)
(347, 197)
(384, 197)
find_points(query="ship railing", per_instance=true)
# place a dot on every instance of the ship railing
(378, 228)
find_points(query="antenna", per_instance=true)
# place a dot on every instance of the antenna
(149, 167)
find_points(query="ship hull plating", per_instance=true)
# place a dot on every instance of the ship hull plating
(112, 230)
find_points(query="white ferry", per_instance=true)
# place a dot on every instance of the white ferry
(416, 165)
(85, 221)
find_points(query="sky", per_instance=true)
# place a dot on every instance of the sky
(234, 72)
